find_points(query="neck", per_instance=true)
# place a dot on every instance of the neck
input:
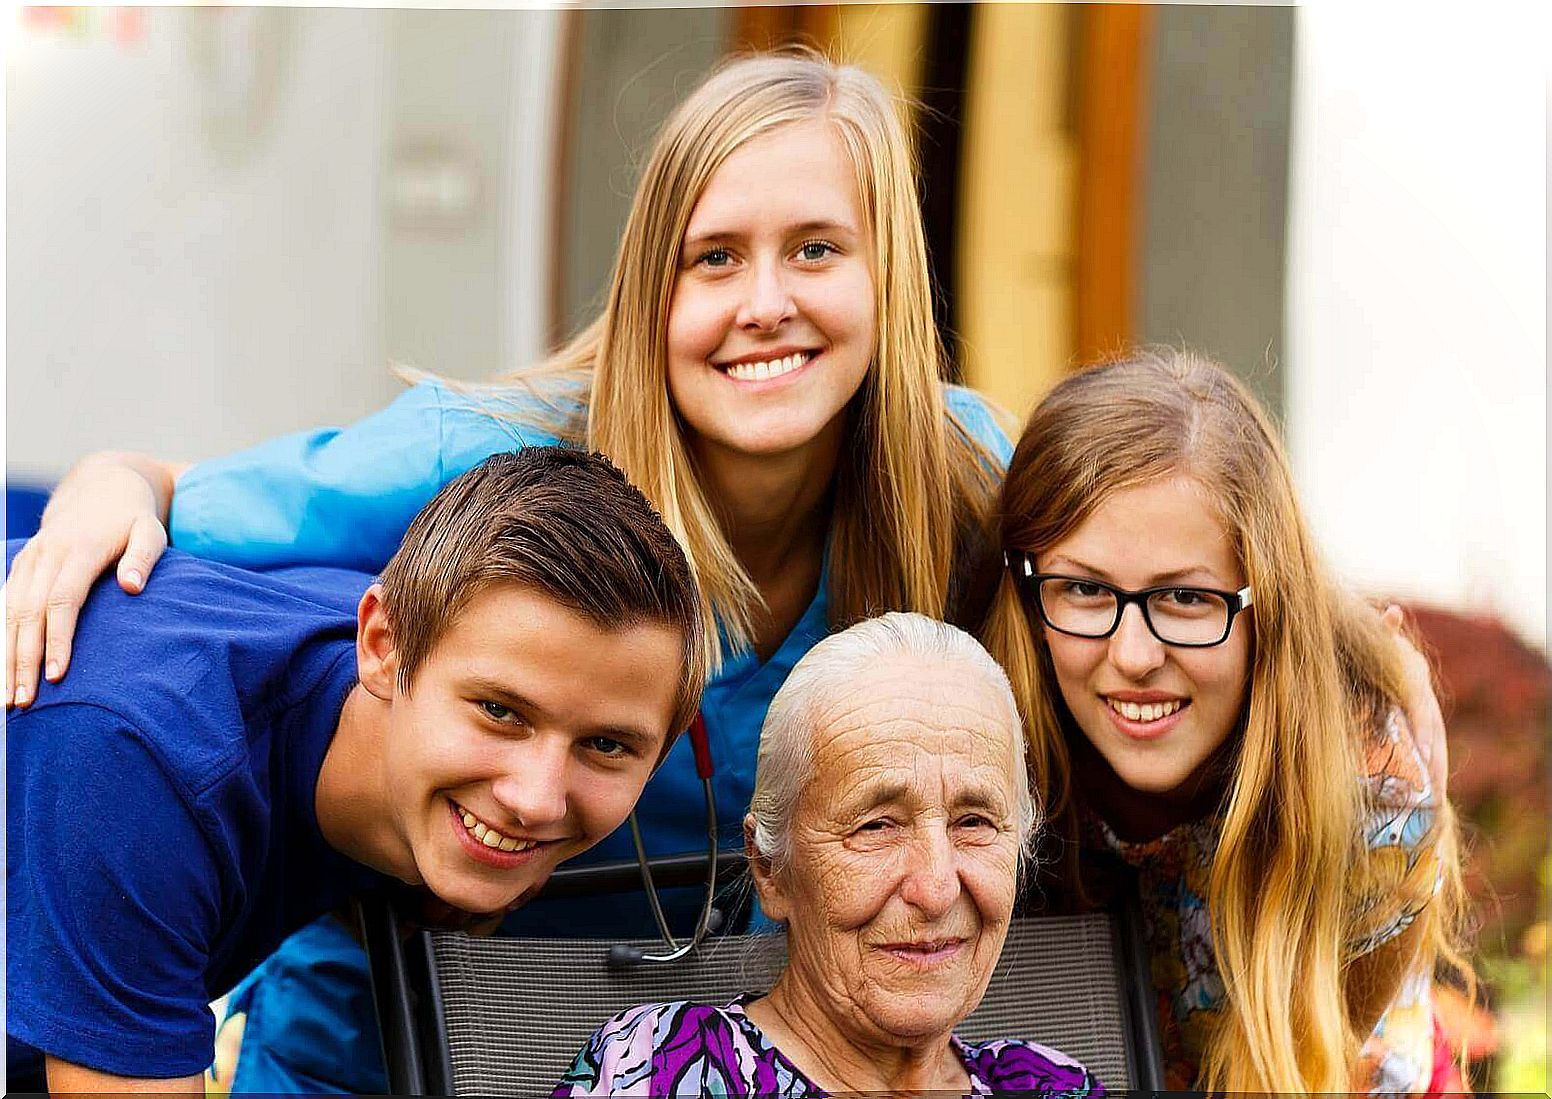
(773, 508)
(351, 798)
(1137, 816)
(841, 1053)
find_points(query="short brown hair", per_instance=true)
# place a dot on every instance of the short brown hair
(561, 522)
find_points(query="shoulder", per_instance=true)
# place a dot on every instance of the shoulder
(981, 420)
(528, 411)
(1014, 1065)
(1401, 872)
(206, 630)
(645, 1046)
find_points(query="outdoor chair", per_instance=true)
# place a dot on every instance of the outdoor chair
(505, 1016)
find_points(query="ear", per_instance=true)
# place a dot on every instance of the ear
(377, 658)
(773, 902)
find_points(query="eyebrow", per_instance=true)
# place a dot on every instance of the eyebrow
(976, 797)
(1193, 572)
(520, 703)
(804, 228)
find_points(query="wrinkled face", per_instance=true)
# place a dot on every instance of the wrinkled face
(771, 328)
(904, 853)
(1160, 533)
(527, 737)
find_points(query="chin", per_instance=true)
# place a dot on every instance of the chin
(923, 1019)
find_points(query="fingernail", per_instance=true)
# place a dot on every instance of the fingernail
(23, 696)
(133, 577)
(51, 670)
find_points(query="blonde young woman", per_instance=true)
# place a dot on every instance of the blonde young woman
(766, 370)
(1204, 703)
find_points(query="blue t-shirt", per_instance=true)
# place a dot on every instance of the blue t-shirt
(345, 496)
(160, 830)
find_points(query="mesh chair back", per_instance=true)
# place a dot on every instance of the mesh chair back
(516, 1011)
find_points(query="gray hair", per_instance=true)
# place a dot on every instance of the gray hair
(824, 677)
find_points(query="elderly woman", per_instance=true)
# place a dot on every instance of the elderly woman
(891, 810)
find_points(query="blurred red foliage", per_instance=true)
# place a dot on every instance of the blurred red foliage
(1496, 692)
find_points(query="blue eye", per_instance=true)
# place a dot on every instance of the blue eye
(606, 746)
(815, 250)
(715, 257)
(497, 712)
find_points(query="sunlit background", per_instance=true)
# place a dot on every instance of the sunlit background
(225, 223)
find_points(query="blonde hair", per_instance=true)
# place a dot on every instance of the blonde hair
(1291, 855)
(910, 482)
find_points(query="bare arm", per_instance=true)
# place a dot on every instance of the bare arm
(112, 507)
(64, 1078)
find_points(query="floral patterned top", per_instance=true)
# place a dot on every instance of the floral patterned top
(690, 1049)
(1173, 870)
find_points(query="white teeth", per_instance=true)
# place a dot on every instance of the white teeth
(489, 836)
(1144, 711)
(774, 368)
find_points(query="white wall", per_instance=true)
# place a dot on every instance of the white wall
(193, 232)
(1417, 300)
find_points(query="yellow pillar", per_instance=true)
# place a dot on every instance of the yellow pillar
(1016, 225)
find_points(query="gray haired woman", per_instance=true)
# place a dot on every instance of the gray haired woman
(891, 811)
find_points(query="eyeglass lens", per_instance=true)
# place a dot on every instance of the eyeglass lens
(1181, 616)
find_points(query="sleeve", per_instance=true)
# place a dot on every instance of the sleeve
(677, 1048)
(974, 414)
(1015, 1066)
(114, 899)
(617, 1059)
(1401, 873)
(343, 496)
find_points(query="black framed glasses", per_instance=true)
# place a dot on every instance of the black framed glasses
(1193, 618)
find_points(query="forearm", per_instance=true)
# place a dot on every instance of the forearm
(158, 475)
(65, 1078)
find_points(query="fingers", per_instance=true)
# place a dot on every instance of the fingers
(147, 543)
(6, 594)
(1421, 703)
(24, 620)
(10, 652)
(66, 596)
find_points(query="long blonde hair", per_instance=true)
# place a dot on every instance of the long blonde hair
(1290, 857)
(911, 481)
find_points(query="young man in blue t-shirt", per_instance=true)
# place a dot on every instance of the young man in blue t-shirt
(237, 753)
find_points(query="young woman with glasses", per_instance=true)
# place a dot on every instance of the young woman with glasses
(1205, 704)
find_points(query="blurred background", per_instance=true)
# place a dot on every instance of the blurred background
(226, 223)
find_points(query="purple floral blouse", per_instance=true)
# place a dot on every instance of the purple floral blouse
(686, 1049)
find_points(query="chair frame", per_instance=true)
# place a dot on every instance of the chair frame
(407, 993)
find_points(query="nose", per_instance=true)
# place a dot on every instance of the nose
(532, 787)
(931, 884)
(1134, 651)
(768, 298)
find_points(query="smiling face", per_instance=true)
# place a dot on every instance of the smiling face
(904, 853)
(526, 737)
(772, 323)
(1156, 713)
